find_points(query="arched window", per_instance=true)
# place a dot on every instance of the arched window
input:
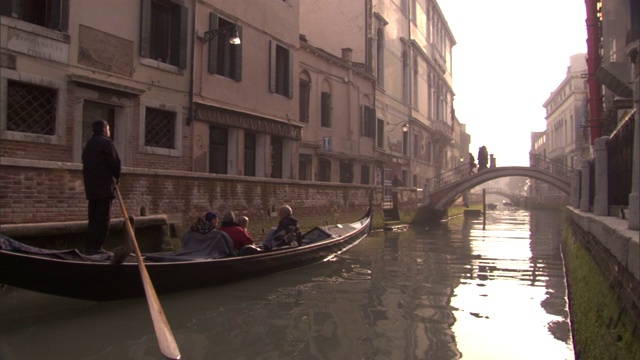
(305, 96)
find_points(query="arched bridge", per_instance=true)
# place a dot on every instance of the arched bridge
(442, 191)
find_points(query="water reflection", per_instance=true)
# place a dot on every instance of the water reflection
(452, 292)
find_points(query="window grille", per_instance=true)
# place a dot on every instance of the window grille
(31, 108)
(160, 128)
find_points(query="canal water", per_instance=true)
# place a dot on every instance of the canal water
(466, 290)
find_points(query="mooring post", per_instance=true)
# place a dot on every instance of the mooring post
(484, 208)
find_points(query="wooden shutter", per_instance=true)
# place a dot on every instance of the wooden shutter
(184, 21)
(59, 15)
(213, 44)
(145, 29)
(237, 76)
(290, 94)
(6, 8)
(272, 66)
(363, 120)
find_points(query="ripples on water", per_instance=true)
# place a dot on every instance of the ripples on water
(454, 292)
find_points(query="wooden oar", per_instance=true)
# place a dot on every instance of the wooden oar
(166, 341)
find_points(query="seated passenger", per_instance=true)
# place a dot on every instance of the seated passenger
(244, 222)
(211, 218)
(203, 241)
(286, 234)
(237, 233)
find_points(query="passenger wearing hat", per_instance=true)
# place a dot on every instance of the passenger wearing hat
(237, 233)
(211, 218)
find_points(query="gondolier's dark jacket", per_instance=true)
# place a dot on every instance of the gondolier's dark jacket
(100, 165)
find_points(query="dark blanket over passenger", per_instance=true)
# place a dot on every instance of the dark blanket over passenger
(213, 244)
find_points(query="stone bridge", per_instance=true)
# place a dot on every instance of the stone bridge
(442, 191)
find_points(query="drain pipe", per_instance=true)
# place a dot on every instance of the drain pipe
(193, 51)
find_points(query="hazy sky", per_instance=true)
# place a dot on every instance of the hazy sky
(510, 55)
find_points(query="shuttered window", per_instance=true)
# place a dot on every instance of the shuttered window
(305, 96)
(52, 14)
(368, 122)
(326, 105)
(225, 59)
(281, 70)
(163, 33)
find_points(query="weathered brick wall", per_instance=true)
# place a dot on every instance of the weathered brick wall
(33, 150)
(39, 191)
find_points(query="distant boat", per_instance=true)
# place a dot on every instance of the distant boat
(492, 206)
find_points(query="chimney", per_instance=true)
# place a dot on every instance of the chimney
(347, 54)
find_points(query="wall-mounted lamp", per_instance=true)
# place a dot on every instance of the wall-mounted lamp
(234, 39)
(405, 126)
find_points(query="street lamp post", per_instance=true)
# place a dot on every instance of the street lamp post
(211, 34)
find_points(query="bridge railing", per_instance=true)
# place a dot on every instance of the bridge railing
(555, 167)
(447, 177)
(463, 171)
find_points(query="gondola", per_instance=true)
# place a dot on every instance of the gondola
(69, 273)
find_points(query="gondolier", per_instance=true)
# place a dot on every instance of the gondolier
(101, 172)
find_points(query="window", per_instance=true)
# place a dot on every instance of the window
(31, 108)
(325, 109)
(281, 77)
(368, 123)
(51, 14)
(416, 146)
(218, 141)
(276, 157)
(324, 170)
(160, 128)
(225, 59)
(380, 134)
(346, 172)
(249, 154)
(365, 175)
(304, 167)
(305, 96)
(163, 35)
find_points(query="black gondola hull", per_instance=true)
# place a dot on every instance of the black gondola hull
(103, 281)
